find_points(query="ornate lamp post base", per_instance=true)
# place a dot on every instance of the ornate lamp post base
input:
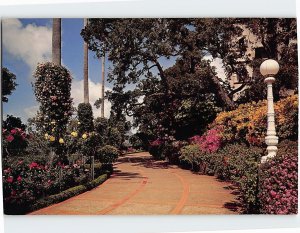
(271, 141)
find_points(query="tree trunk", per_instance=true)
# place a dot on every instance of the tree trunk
(103, 83)
(85, 69)
(56, 41)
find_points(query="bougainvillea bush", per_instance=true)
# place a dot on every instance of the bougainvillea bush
(247, 124)
(278, 187)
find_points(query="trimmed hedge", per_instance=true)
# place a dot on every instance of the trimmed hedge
(71, 192)
(56, 198)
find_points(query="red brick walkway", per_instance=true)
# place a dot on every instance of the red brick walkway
(140, 185)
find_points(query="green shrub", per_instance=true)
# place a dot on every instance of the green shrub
(239, 163)
(71, 192)
(156, 149)
(190, 156)
(107, 154)
(85, 117)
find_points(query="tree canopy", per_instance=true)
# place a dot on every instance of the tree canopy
(182, 99)
(8, 83)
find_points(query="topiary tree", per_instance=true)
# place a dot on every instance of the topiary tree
(107, 154)
(52, 88)
(85, 117)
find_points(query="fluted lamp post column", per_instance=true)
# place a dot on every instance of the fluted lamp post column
(268, 69)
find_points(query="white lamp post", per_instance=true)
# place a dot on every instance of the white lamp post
(269, 68)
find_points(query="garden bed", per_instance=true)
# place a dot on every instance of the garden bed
(56, 198)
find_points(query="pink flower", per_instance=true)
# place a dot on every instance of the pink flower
(19, 178)
(10, 138)
(156, 142)
(8, 170)
(273, 193)
(33, 165)
(13, 131)
(10, 179)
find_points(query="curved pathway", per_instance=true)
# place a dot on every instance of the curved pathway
(141, 185)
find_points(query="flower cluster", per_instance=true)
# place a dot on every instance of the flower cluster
(248, 122)
(52, 88)
(25, 182)
(210, 142)
(15, 141)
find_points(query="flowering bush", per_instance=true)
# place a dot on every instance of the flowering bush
(278, 186)
(248, 123)
(15, 141)
(25, 182)
(211, 141)
(52, 88)
(155, 148)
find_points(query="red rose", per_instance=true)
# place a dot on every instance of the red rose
(13, 131)
(10, 179)
(10, 138)
(33, 165)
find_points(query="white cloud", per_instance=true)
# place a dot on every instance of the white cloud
(31, 111)
(30, 43)
(94, 94)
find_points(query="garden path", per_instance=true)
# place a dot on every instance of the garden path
(140, 185)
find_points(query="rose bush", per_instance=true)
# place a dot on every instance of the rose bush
(25, 182)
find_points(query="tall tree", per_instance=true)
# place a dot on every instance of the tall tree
(103, 83)
(85, 68)
(56, 41)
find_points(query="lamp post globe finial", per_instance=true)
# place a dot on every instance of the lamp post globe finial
(269, 67)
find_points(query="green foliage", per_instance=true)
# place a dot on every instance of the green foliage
(107, 154)
(279, 39)
(8, 83)
(190, 157)
(85, 117)
(90, 144)
(114, 137)
(52, 88)
(12, 122)
(236, 162)
(136, 142)
(71, 192)
(239, 163)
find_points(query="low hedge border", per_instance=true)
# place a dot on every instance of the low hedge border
(71, 192)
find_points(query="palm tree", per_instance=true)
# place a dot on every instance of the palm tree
(103, 83)
(85, 69)
(56, 41)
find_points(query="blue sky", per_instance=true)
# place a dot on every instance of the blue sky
(22, 102)
(28, 41)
